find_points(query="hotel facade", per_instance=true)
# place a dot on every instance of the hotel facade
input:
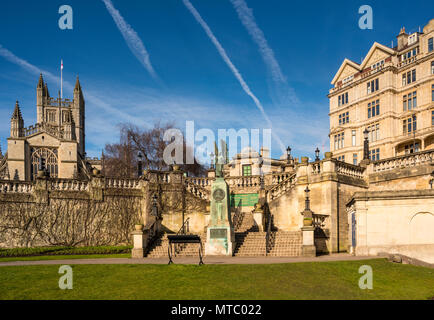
(390, 95)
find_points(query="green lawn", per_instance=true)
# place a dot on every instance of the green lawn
(327, 280)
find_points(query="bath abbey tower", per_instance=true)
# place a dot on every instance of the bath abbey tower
(57, 140)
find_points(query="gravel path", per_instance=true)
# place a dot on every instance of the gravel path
(182, 260)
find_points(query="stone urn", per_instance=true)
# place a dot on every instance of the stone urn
(307, 222)
(175, 167)
(139, 227)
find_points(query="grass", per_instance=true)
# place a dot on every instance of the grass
(327, 280)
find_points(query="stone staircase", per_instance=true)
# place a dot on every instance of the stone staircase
(250, 242)
(286, 244)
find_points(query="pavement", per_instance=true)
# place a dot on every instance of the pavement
(192, 260)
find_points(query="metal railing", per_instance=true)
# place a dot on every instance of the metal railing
(185, 224)
(269, 236)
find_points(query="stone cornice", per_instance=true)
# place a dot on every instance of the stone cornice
(386, 195)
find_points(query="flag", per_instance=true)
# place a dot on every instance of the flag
(61, 64)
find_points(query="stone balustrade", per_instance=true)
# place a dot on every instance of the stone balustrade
(69, 185)
(319, 220)
(407, 61)
(349, 170)
(242, 182)
(202, 182)
(197, 191)
(16, 187)
(285, 185)
(410, 160)
(277, 178)
(122, 183)
(157, 176)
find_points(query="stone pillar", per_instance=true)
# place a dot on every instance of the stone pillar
(96, 186)
(258, 216)
(362, 248)
(308, 249)
(41, 188)
(140, 239)
(211, 173)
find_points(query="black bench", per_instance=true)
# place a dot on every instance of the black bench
(184, 239)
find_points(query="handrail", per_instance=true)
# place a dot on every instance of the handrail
(237, 219)
(186, 223)
(152, 234)
(268, 238)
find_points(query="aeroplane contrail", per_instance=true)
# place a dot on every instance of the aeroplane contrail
(231, 66)
(132, 39)
(247, 18)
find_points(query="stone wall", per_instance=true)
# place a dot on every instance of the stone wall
(393, 222)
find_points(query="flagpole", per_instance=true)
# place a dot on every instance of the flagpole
(61, 79)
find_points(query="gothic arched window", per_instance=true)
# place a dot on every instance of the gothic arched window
(51, 161)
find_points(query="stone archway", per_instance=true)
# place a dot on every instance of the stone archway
(51, 161)
(421, 228)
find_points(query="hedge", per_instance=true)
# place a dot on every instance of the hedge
(44, 251)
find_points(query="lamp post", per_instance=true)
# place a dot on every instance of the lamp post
(139, 165)
(288, 154)
(212, 160)
(431, 182)
(317, 151)
(307, 201)
(261, 173)
(366, 145)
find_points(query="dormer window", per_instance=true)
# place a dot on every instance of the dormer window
(412, 38)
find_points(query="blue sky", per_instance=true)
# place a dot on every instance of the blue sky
(309, 41)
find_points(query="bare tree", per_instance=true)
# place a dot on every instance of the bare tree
(121, 158)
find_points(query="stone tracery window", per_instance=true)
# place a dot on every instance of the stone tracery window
(51, 161)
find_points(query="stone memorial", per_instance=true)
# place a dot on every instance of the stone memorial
(220, 232)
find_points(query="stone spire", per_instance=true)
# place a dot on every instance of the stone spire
(40, 82)
(46, 93)
(77, 85)
(17, 122)
(17, 112)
